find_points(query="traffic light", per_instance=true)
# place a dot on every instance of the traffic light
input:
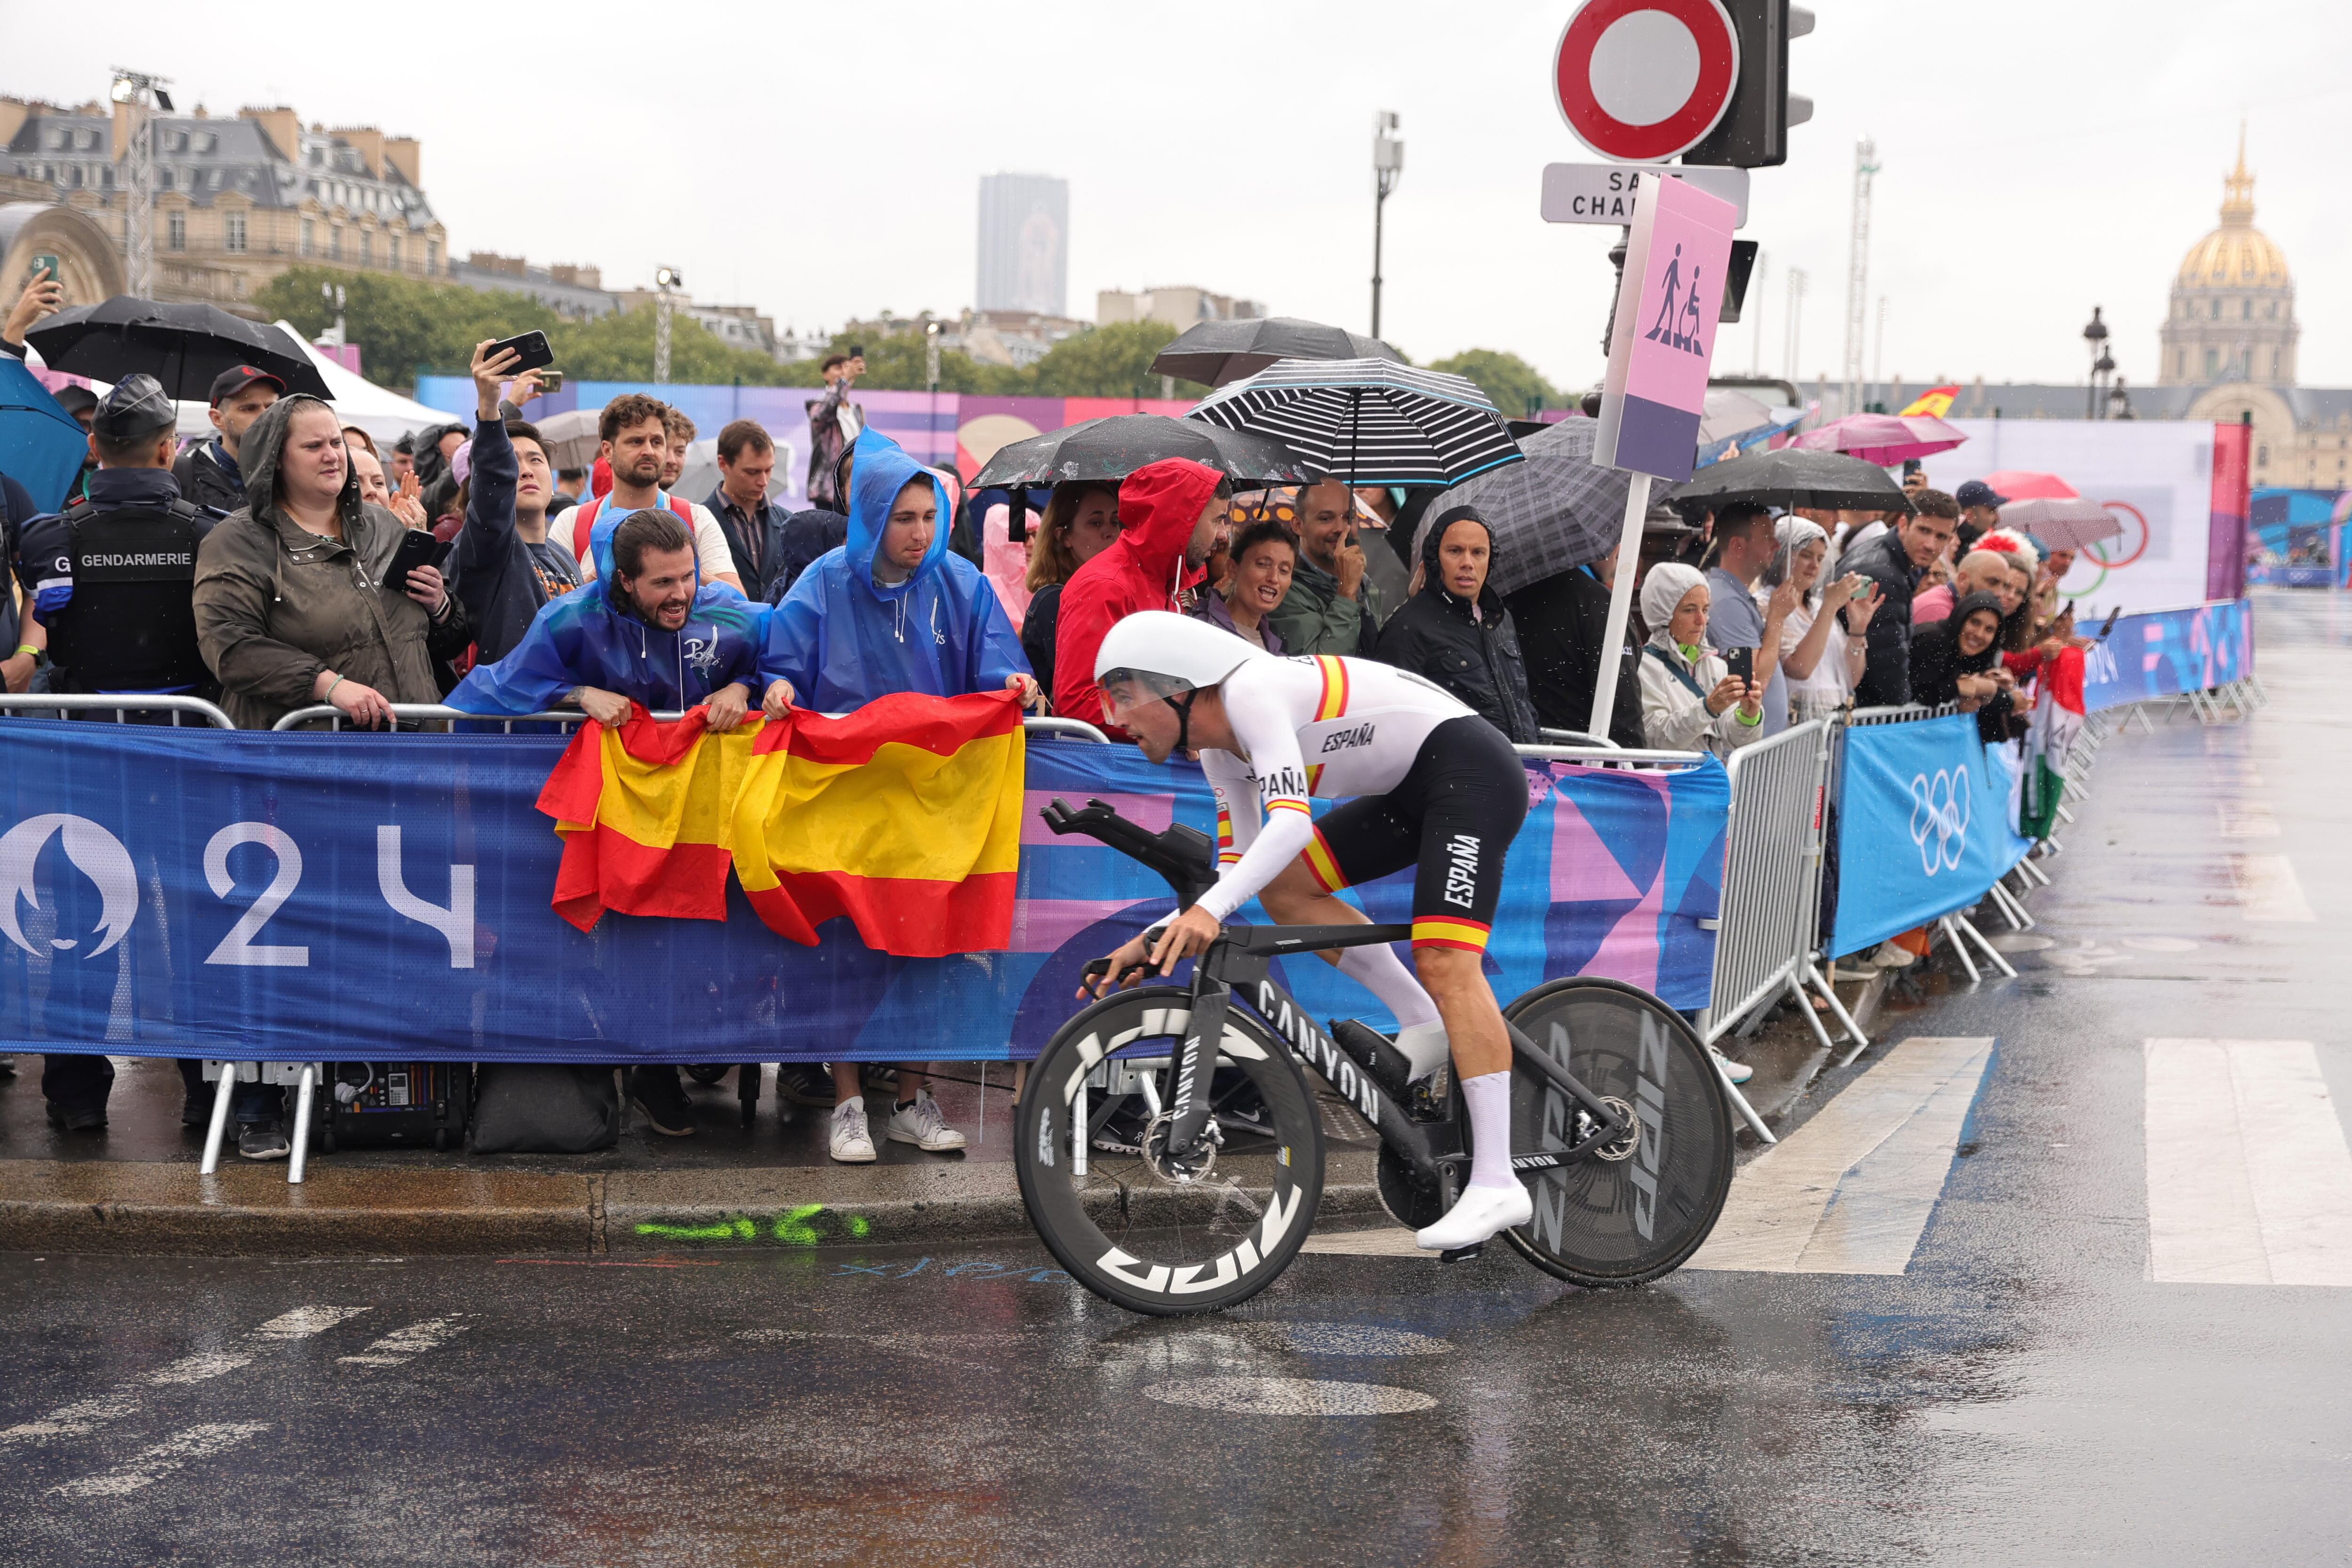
(1754, 131)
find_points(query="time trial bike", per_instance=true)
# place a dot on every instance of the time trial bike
(1156, 1187)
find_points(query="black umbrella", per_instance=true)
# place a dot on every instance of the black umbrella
(1369, 421)
(184, 346)
(1791, 477)
(1215, 353)
(1113, 448)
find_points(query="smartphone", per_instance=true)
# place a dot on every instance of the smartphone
(2109, 624)
(857, 350)
(417, 548)
(44, 267)
(550, 381)
(531, 346)
(1741, 662)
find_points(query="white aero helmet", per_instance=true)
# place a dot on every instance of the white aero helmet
(1167, 655)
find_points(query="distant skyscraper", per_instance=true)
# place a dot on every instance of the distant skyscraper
(1024, 243)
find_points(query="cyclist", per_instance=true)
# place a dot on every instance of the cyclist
(1430, 785)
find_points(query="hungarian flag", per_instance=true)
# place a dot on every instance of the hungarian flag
(905, 815)
(1936, 402)
(645, 812)
(2057, 720)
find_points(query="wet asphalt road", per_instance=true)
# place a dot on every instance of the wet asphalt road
(2099, 1330)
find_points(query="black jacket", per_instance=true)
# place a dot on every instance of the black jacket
(1561, 621)
(1887, 674)
(1478, 660)
(495, 576)
(806, 536)
(202, 480)
(758, 562)
(1039, 624)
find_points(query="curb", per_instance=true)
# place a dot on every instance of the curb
(165, 1208)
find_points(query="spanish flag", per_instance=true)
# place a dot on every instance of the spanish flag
(1936, 402)
(645, 812)
(905, 815)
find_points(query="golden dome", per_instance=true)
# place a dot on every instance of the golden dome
(2237, 255)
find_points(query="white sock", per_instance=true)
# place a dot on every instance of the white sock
(1379, 971)
(1488, 1099)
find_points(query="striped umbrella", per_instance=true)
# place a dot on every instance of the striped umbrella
(1369, 421)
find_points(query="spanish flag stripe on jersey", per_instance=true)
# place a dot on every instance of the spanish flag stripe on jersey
(1334, 700)
(1444, 930)
(1323, 864)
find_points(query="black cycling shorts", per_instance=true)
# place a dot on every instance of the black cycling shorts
(1453, 815)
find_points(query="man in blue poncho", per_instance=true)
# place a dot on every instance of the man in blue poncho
(645, 630)
(891, 610)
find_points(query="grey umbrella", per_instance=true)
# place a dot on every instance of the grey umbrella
(1116, 445)
(1793, 477)
(1550, 514)
(1215, 353)
(182, 345)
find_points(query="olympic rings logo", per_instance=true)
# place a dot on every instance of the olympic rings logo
(1939, 818)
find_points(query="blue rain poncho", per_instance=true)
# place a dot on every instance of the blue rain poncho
(843, 639)
(589, 637)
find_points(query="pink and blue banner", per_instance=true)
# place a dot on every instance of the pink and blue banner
(2167, 652)
(292, 897)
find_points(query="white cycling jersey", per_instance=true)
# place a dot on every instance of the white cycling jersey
(1318, 725)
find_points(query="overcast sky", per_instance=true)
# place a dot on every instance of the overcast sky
(821, 160)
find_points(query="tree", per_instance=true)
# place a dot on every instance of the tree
(620, 347)
(402, 324)
(900, 363)
(1107, 362)
(1512, 383)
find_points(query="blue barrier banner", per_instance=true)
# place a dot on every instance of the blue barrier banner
(293, 897)
(2165, 653)
(1927, 822)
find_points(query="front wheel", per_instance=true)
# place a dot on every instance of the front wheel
(1637, 1209)
(1133, 1227)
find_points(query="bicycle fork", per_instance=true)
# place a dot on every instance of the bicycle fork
(1195, 1067)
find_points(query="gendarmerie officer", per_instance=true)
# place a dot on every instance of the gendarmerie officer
(113, 575)
(113, 578)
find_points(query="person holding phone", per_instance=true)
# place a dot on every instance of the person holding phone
(1690, 699)
(296, 599)
(1821, 640)
(834, 424)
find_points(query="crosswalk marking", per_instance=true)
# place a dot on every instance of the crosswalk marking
(1852, 1190)
(2249, 1177)
(2268, 889)
(406, 1344)
(152, 1465)
(84, 1416)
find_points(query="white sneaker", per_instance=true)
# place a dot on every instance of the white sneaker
(1478, 1215)
(852, 1144)
(1890, 955)
(922, 1125)
(1737, 1072)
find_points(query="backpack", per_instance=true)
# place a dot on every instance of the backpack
(583, 526)
(543, 1108)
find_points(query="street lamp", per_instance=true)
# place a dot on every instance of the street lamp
(138, 91)
(331, 296)
(666, 282)
(2102, 364)
(1388, 164)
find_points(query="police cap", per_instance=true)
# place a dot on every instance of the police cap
(138, 406)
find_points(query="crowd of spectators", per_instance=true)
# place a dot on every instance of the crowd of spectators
(606, 588)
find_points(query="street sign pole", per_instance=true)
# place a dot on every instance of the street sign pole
(1661, 343)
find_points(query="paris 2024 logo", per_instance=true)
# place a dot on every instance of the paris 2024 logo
(95, 853)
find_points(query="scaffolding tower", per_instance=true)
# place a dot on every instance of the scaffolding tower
(1857, 277)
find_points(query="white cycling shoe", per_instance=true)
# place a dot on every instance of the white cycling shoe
(1479, 1214)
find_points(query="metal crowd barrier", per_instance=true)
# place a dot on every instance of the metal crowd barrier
(183, 710)
(424, 713)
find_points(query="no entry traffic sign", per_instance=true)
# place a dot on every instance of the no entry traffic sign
(1642, 80)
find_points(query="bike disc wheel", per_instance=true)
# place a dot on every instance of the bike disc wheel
(1121, 1221)
(1621, 1221)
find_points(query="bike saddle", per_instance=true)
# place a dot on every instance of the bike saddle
(1185, 857)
